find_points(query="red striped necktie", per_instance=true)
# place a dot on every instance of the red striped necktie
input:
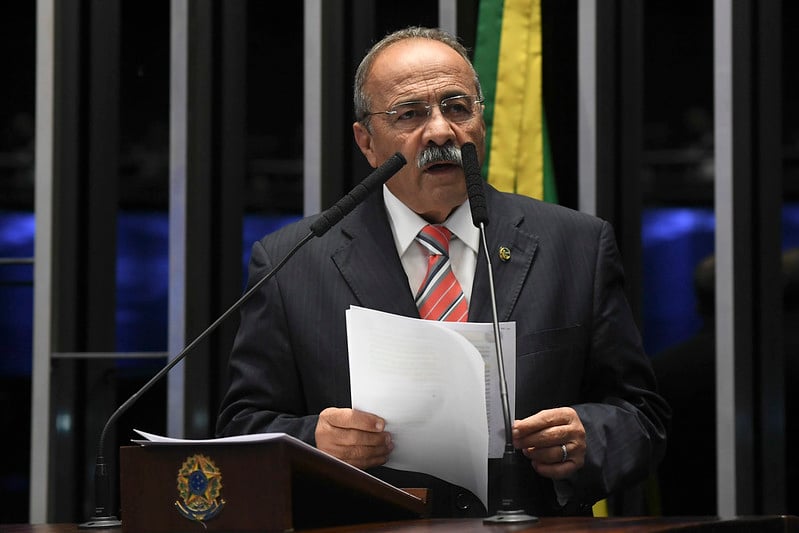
(440, 297)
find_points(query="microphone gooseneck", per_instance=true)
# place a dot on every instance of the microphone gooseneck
(509, 511)
(475, 189)
(102, 518)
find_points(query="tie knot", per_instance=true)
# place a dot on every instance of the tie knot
(435, 238)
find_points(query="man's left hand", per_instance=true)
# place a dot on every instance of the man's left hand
(553, 440)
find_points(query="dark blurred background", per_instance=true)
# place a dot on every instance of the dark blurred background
(676, 184)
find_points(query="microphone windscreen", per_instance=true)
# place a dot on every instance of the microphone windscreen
(377, 178)
(474, 184)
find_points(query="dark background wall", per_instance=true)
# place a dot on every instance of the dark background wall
(676, 176)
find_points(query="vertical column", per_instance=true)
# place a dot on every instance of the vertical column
(448, 16)
(328, 95)
(98, 203)
(42, 270)
(725, 325)
(610, 122)
(76, 202)
(586, 105)
(232, 177)
(606, 142)
(769, 321)
(207, 175)
(629, 122)
(178, 161)
(734, 277)
(201, 194)
(312, 131)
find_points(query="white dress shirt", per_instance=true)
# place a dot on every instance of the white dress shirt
(405, 226)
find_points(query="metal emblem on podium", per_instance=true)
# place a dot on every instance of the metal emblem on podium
(199, 485)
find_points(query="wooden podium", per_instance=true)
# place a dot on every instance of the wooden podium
(279, 484)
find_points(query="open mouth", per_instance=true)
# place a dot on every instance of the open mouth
(442, 166)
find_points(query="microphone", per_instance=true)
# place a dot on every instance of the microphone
(102, 519)
(509, 511)
(378, 177)
(474, 185)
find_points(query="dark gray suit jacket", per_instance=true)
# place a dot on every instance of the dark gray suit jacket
(577, 344)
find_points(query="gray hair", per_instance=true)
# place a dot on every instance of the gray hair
(362, 101)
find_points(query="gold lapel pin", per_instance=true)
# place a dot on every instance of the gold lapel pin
(504, 253)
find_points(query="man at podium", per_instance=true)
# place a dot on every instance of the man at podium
(589, 421)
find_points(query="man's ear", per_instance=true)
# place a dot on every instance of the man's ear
(364, 141)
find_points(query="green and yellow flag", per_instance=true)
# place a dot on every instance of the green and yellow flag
(508, 58)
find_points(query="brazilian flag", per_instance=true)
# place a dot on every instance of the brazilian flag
(508, 59)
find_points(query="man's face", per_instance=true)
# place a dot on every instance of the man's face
(429, 71)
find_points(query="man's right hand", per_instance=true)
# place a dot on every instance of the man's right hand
(355, 437)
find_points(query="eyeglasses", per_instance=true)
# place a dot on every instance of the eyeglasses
(408, 116)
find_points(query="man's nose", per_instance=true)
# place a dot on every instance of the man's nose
(437, 128)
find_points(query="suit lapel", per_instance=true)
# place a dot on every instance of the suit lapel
(368, 260)
(502, 233)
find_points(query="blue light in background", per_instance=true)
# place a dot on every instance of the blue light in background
(674, 240)
(142, 282)
(142, 278)
(790, 226)
(16, 294)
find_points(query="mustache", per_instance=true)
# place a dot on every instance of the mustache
(439, 154)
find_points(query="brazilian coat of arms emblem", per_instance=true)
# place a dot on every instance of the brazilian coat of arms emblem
(199, 485)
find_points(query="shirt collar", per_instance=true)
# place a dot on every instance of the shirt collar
(405, 224)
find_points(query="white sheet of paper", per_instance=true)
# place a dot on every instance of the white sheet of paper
(428, 381)
(481, 335)
(151, 438)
